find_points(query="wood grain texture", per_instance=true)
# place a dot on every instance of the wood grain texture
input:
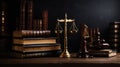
(57, 60)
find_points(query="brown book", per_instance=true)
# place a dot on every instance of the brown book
(30, 17)
(37, 24)
(31, 33)
(54, 53)
(22, 15)
(45, 20)
(40, 24)
(24, 49)
(3, 17)
(34, 41)
(103, 53)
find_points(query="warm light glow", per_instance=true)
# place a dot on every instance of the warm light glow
(115, 40)
(115, 31)
(3, 21)
(116, 26)
(116, 36)
(3, 18)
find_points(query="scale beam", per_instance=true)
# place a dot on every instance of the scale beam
(63, 20)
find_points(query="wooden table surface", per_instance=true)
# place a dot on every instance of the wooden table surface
(57, 60)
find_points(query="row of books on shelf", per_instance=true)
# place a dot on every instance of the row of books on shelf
(114, 35)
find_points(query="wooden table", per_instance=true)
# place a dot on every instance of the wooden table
(61, 62)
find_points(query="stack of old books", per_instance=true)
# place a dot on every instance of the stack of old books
(114, 35)
(32, 37)
(35, 47)
(98, 46)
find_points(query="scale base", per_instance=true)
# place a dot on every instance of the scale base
(65, 54)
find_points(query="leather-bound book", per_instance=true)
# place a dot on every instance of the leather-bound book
(22, 15)
(31, 33)
(30, 13)
(27, 41)
(45, 20)
(113, 35)
(28, 49)
(54, 53)
(3, 18)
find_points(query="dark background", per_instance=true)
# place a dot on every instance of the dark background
(94, 13)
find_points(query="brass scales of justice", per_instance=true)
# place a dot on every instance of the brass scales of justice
(59, 30)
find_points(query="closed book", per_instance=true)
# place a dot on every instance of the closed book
(36, 45)
(25, 49)
(28, 41)
(45, 20)
(31, 33)
(21, 24)
(54, 53)
(29, 15)
(102, 53)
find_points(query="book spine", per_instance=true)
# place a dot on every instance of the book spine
(100, 54)
(45, 20)
(34, 41)
(37, 26)
(35, 49)
(38, 54)
(113, 35)
(31, 33)
(40, 28)
(22, 15)
(3, 17)
(37, 45)
(40, 24)
(30, 11)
